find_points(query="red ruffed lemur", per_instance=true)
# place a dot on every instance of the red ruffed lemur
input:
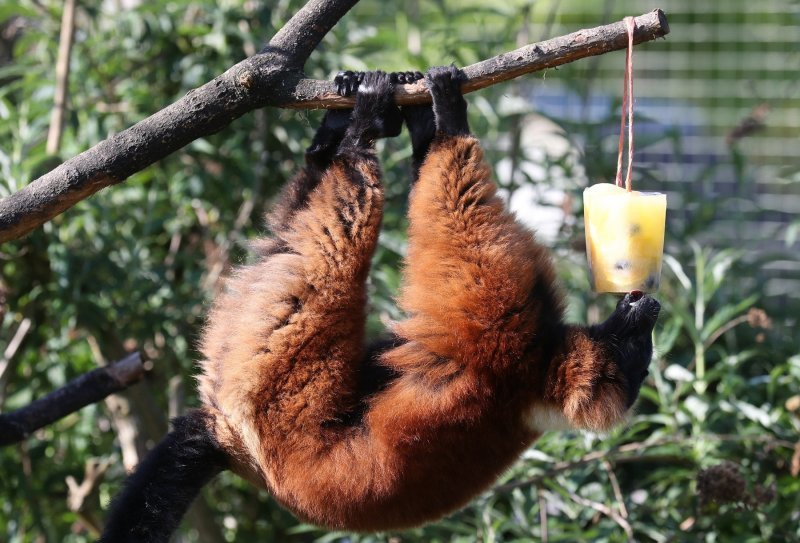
(400, 433)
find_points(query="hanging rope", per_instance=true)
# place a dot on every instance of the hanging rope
(627, 108)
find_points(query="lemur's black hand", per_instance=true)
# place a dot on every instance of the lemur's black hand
(449, 106)
(628, 335)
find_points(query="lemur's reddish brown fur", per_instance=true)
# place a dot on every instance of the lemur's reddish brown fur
(484, 346)
(483, 364)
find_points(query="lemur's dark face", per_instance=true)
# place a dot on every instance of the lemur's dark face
(628, 335)
(636, 314)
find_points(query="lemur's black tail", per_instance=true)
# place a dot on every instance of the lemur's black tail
(157, 494)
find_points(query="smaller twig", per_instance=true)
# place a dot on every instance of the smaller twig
(79, 494)
(33, 500)
(62, 78)
(119, 409)
(13, 345)
(93, 472)
(8, 356)
(722, 329)
(605, 510)
(215, 254)
(172, 253)
(543, 516)
(635, 447)
(708, 343)
(612, 477)
(86, 389)
(176, 400)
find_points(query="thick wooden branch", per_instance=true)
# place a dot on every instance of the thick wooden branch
(267, 78)
(301, 35)
(78, 393)
(272, 77)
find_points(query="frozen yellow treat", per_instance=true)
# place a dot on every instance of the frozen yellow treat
(624, 237)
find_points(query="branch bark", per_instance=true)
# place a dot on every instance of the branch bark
(273, 77)
(265, 79)
(86, 389)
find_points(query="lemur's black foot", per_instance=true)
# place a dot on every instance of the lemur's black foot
(422, 128)
(347, 82)
(328, 136)
(375, 114)
(402, 78)
(628, 334)
(449, 106)
(334, 124)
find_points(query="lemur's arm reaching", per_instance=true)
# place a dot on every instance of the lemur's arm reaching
(496, 304)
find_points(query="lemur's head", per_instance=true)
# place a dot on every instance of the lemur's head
(636, 314)
(627, 334)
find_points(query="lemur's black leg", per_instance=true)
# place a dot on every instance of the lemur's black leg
(449, 106)
(328, 137)
(319, 156)
(447, 117)
(421, 128)
(334, 125)
(157, 494)
(375, 115)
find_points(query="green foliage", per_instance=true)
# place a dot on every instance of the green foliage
(134, 267)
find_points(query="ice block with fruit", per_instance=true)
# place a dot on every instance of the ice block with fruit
(624, 237)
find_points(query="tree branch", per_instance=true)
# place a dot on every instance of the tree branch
(271, 78)
(605, 510)
(535, 57)
(86, 389)
(265, 79)
(301, 35)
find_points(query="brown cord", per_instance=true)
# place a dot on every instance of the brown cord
(627, 108)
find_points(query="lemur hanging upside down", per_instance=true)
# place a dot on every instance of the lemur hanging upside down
(392, 436)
